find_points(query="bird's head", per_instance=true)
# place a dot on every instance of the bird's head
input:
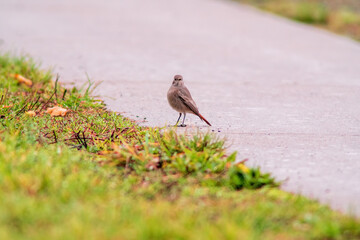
(178, 81)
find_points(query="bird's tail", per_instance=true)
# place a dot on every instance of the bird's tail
(202, 118)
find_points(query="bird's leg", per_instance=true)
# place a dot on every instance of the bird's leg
(183, 125)
(177, 120)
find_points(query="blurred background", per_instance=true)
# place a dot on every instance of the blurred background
(340, 16)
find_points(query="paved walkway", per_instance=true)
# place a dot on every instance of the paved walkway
(286, 95)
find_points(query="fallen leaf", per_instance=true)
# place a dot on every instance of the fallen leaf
(57, 111)
(243, 168)
(228, 165)
(31, 113)
(22, 79)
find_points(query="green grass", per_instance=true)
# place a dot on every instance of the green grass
(342, 17)
(94, 174)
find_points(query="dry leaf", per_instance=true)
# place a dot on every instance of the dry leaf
(22, 79)
(57, 111)
(31, 113)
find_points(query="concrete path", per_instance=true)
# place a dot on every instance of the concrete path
(286, 95)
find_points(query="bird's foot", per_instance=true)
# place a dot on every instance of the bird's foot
(182, 125)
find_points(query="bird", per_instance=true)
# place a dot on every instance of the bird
(181, 101)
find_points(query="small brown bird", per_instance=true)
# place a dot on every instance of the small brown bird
(180, 99)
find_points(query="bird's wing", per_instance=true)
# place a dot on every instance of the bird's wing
(187, 100)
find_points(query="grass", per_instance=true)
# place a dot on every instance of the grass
(93, 174)
(339, 16)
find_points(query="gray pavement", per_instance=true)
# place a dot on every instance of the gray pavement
(286, 95)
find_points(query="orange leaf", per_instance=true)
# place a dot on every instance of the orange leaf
(228, 165)
(22, 79)
(57, 111)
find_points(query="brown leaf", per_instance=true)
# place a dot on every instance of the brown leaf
(22, 79)
(57, 111)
